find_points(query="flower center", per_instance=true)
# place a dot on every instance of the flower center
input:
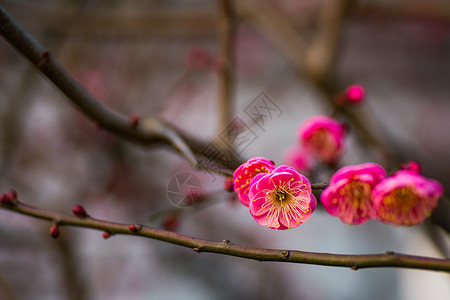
(281, 196)
(358, 191)
(323, 142)
(402, 200)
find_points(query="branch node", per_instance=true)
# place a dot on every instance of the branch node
(196, 249)
(390, 253)
(45, 57)
(354, 268)
(134, 227)
(286, 253)
(227, 242)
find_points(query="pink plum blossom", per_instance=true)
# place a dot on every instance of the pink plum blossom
(406, 198)
(299, 158)
(323, 137)
(281, 199)
(355, 94)
(246, 172)
(349, 194)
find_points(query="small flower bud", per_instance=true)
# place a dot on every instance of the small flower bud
(54, 231)
(79, 211)
(12, 195)
(228, 184)
(8, 199)
(355, 94)
(134, 227)
(134, 119)
(413, 166)
(4, 199)
(106, 235)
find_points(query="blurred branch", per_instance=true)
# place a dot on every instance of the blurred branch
(225, 247)
(72, 280)
(275, 28)
(321, 52)
(312, 61)
(103, 22)
(225, 64)
(162, 134)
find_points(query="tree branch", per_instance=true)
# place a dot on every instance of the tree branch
(355, 262)
(162, 134)
(225, 65)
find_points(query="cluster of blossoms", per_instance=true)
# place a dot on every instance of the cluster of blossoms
(281, 198)
(362, 192)
(277, 197)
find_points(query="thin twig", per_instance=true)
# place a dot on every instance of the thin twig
(225, 247)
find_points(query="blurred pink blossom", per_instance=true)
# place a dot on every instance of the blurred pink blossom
(406, 198)
(349, 194)
(246, 172)
(323, 137)
(299, 158)
(282, 199)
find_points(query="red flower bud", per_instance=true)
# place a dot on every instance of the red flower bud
(228, 184)
(12, 195)
(413, 166)
(134, 119)
(4, 199)
(54, 231)
(106, 235)
(79, 211)
(355, 94)
(134, 227)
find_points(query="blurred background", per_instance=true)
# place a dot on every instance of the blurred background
(161, 59)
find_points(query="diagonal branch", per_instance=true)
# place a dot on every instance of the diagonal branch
(162, 134)
(225, 247)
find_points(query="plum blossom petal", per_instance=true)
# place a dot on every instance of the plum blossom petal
(246, 172)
